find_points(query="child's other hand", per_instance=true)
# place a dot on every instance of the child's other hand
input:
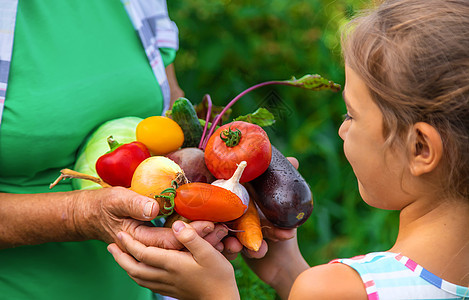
(201, 273)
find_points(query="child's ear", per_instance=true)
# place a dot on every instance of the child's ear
(427, 149)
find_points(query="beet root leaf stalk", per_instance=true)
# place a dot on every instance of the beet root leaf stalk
(313, 82)
(207, 120)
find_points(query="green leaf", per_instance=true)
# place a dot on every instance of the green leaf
(202, 122)
(261, 117)
(314, 82)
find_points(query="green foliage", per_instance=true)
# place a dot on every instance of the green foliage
(250, 286)
(227, 46)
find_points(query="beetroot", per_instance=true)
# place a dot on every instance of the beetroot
(191, 160)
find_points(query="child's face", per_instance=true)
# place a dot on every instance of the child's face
(379, 170)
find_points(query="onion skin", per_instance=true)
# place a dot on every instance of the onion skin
(154, 175)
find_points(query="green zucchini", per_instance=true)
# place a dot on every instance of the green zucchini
(184, 114)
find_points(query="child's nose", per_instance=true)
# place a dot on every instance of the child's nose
(343, 130)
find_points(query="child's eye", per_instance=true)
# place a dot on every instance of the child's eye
(346, 117)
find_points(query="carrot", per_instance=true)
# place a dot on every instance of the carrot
(248, 228)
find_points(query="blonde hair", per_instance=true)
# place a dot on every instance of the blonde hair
(414, 57)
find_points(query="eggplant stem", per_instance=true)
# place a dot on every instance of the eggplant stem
(67, 173)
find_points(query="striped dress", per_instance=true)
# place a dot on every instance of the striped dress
(393, 276)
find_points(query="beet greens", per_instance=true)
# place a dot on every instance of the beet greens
(313, 82)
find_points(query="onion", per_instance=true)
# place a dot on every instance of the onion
(156, 174)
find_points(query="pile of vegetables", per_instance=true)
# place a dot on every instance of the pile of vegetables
(202, 169)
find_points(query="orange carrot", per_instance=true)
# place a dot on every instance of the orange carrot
(248, 227)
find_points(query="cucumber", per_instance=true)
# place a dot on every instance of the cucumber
(184, 114)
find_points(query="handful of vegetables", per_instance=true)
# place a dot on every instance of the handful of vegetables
(201, 172)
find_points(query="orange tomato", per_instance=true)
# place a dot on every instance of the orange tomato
(203, 201)
(160, 134)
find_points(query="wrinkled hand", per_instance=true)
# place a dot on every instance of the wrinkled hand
(101, 214)
(202, 273)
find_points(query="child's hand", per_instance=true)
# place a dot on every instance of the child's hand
(202, 273)
(163, 237)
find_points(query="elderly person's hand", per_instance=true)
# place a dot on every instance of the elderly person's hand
(102, 213)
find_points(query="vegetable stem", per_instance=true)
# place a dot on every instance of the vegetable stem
(67, 173)
(310, 82)
(230, 137)
(232, 102)
(113, 144)
(238, 173)
(207, 119)
(172, 193)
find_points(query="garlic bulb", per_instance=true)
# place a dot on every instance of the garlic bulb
(233, 184)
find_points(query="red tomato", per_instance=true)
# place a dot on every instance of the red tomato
(203, 201)
(253, 146)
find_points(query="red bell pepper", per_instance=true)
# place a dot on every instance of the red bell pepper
(117, 166)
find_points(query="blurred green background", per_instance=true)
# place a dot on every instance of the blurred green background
(227, 46)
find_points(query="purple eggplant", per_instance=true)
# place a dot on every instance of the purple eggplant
(282, 194)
